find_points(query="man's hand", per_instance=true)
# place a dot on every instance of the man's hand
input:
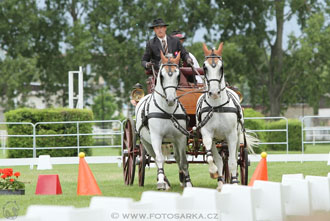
(190, 62)
(148, 64)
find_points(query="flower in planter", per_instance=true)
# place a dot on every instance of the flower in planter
(8, 180)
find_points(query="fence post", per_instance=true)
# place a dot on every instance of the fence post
(34, 141)
(78, 138)
(122, 136)
(287, 139)
(302, 138)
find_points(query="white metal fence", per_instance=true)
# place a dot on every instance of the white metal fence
(283, 130)
(108, 129)
(315, 130)
(114, 131)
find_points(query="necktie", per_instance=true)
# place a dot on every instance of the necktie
(164, 47)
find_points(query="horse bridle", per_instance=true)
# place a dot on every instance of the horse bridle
(213, 57)
(170, 73)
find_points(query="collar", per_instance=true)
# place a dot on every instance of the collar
(161, 39)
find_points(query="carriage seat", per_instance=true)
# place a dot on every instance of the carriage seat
(187, 71)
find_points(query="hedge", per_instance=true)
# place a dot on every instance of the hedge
(48, 115)
(255, 125)
(294, 132)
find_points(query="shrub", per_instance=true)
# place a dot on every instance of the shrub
(257, 124)
(48, 115)
(294, 132)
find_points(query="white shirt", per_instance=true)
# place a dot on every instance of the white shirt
(161, 40)
(196, 65)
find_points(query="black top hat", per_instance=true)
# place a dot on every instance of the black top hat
(178, 34)
(158, 22)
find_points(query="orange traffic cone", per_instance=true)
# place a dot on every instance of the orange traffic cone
(261, 171)
(86, 182)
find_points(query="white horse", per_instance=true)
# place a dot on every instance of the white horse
(219, 117)
(160, 117)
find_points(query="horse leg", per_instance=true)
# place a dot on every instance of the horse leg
(208, 142)
(177, 160)
(219, 163)
(159, 159)
(180, 146)
(232, 159)
(148, 147)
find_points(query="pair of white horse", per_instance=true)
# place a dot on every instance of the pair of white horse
(161, 118)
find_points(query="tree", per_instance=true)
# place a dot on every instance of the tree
(262, 47)
(104, 107)
(310, 55)
(11, 88)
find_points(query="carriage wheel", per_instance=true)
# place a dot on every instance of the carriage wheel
(244, 165)
(225, 171)
(142, 165)
(129, 156)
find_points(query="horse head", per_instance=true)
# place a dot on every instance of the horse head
(168, 77)
(213, 71)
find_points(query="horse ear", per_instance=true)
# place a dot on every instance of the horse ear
(177, 59)
(219, 50)
(207, 52)
(162, 57)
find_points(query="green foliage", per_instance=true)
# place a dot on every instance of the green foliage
(55, 37)
(48, 115)
(294, 128)
(16, 75)
(104, 105)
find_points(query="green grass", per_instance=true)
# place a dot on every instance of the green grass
(110, 181)
(95, 152)
(310, 149)
(106, 152)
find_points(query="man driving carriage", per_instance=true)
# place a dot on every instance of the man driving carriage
(162, 42)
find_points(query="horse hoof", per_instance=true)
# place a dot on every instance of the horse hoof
(220, 185)
(161, 186)
(214, 175)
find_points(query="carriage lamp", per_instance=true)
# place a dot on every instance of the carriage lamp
(137, 94)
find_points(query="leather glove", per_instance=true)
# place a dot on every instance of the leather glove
(148, 64)
(190, 62)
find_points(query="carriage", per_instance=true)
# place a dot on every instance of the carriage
(134, 153)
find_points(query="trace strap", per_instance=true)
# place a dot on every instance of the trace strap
(211, 109)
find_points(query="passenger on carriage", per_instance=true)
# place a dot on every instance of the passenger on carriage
(162, 42)
(182, 38)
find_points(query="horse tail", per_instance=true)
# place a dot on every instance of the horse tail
(251, 140)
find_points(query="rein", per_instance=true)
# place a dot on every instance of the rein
(173, 117)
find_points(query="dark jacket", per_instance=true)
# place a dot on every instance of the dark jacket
(152, 52)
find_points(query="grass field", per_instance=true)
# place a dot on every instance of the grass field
(110, 180)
